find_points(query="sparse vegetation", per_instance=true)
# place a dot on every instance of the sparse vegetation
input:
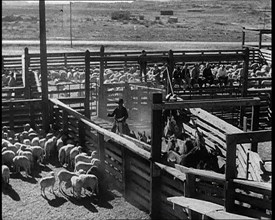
(120, 15)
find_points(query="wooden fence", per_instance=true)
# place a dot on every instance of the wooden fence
(144, 181)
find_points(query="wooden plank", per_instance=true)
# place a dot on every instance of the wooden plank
(143, 192)
(196, 205)
(114, 164)
(139, 172)
(210, 188)
(140, 180)
(136, 198)
(114, 172)
(169, 191)
(206, 103)
(145, 167)
(214, 199)
(113, 155)
(173, 183)
(177, 174)
(226, 215)
(211, 175)
(253, 213)
(254, 136)
(254, 201)
(257, 187)
(112, 146)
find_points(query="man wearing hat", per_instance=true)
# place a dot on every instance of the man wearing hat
(121, 115)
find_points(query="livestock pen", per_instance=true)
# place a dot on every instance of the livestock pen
(149, 184)
(135, 166)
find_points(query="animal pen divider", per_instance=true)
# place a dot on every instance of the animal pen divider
(147, 183)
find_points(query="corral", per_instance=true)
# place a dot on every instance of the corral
(134, 166)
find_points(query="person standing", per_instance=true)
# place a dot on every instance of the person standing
(143, 65)
(207, 74)
(121, 114)
(195, 76)
(222, 75)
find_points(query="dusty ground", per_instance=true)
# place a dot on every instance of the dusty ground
(22, 200)
(207, 20)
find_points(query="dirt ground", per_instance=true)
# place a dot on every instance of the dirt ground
(22, 200)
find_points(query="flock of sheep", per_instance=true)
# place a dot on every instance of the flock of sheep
(27, 150)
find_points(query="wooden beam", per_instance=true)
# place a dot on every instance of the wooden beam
(250, 137)
(207, 103)
(26, 74)
(43, 66)
(87, 84)
(156, 134)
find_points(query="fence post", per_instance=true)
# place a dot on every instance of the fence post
(171, 65)
(125, 171)
(245, 124)
(244, 82)
(81, 133)
(230, 172)
(25, 73)
(101, 151)
(65, 122)
(190, 192)
(11, 116)
(87, 84)
(101, 100)
(43, 66)
(255, 124)
(65, 60)
(243, 39)
(156, 133)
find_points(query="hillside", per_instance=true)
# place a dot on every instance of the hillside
(199, 20)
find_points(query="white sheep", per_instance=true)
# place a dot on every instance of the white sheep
(13, 148)
(59, 144)
(95, 162)
(73, 153)
(42, 142)
(61, 155)
(35, 141)
(76, 185)
(37, 153)
(82, 165)
(89, 181)
(28, 154)
(27, 142)
(85, 158)
(67, 149)
(65, 176)
(50, 146)
(7, 157)
(47, 182)
(22, 161)
(32, 135)
(5, 174)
